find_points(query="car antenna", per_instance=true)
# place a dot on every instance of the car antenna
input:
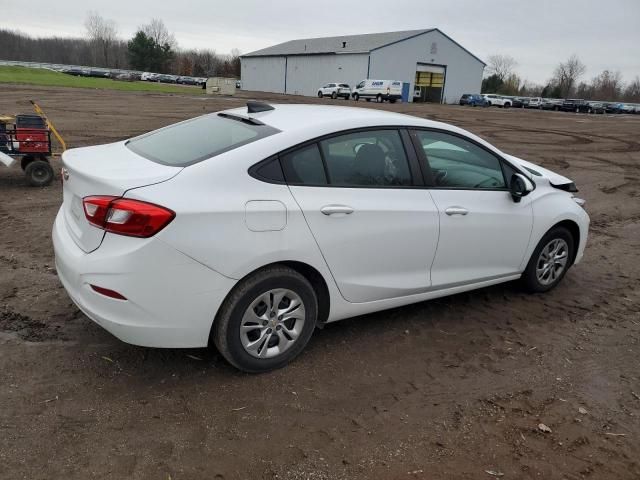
(256, 107)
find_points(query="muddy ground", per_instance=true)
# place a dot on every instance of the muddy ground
(453, 388)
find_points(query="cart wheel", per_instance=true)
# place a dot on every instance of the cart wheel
(39, 173)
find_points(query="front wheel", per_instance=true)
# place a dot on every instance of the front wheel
(356, 97)
(379, 98)
(550, 261)
(267, 320)
(319, 94)
(334, 95)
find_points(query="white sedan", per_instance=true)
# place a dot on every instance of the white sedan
(251, 227)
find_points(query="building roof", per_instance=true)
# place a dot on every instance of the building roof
(345, 44)
(354, 44)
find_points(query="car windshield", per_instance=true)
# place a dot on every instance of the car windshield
(198, 139)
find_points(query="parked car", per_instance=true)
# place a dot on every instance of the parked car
(573, 105)
(186, 80)
(592, 107)
(627, 108)
(534, 102)
(551, 104)
(165, 78)
(497, 100)
(250, 227)
(335, 90)
(124, 77)
(380, 90)
(76, 72)
(466, 98)
(474, 100)
(520, 102)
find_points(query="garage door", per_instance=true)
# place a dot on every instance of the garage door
(429, 83)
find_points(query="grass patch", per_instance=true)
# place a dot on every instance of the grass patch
(49, 78)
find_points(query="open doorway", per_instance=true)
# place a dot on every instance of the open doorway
(429, 83)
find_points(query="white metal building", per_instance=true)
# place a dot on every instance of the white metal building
(437, 68)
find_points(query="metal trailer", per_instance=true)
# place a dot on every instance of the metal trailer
(28, 138)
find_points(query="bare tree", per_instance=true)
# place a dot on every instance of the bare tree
(159, 32)
(607, 85)
(567, 74)
(502, 66)
(632, 92)
(103, 34)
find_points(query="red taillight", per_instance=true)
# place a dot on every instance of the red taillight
(125, 216)
(107, 293)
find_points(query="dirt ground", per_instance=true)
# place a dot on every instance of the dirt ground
(453, 388)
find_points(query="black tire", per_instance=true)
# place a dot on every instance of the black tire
(39, 173)
(529, 278)
(379, 98)
(334, 95)
(356, 97)
(489, 104)
(507, 105)
(225, 333)
(319, 94)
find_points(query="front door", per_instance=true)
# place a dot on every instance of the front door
(483, 233)
(377, 234)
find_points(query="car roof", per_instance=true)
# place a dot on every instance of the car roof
(323, 119)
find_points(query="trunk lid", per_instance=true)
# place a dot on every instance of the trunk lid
(103, 170)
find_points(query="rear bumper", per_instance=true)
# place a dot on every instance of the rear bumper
(171, 299)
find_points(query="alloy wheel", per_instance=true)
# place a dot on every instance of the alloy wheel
(552, 261)
(272, 323)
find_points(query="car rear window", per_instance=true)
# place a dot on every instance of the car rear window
(198, 139)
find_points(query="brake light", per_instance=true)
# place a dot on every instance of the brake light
(125, 216)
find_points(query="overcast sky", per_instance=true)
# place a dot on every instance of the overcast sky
(604, 33)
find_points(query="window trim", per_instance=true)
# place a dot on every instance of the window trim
(422, 177)
(429, 180)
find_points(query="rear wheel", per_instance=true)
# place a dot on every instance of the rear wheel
(39, 173)
(319, 94)
(379, 98)
(267, 320)
(550, 261)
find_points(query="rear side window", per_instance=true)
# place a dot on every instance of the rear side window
(373, 158)
(304, 166)
(198, 139)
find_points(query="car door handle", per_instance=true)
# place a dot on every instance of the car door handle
(456, 211)
(334, 209)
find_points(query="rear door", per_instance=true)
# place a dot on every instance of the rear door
(377, 232)
(483, 233)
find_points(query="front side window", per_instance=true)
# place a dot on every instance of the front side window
(366, 159)
(459, 163)
(198, 139)
(360, 85)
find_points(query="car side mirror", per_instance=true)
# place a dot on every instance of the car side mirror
(520, 186)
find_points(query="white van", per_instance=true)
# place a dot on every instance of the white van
(381, 90)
